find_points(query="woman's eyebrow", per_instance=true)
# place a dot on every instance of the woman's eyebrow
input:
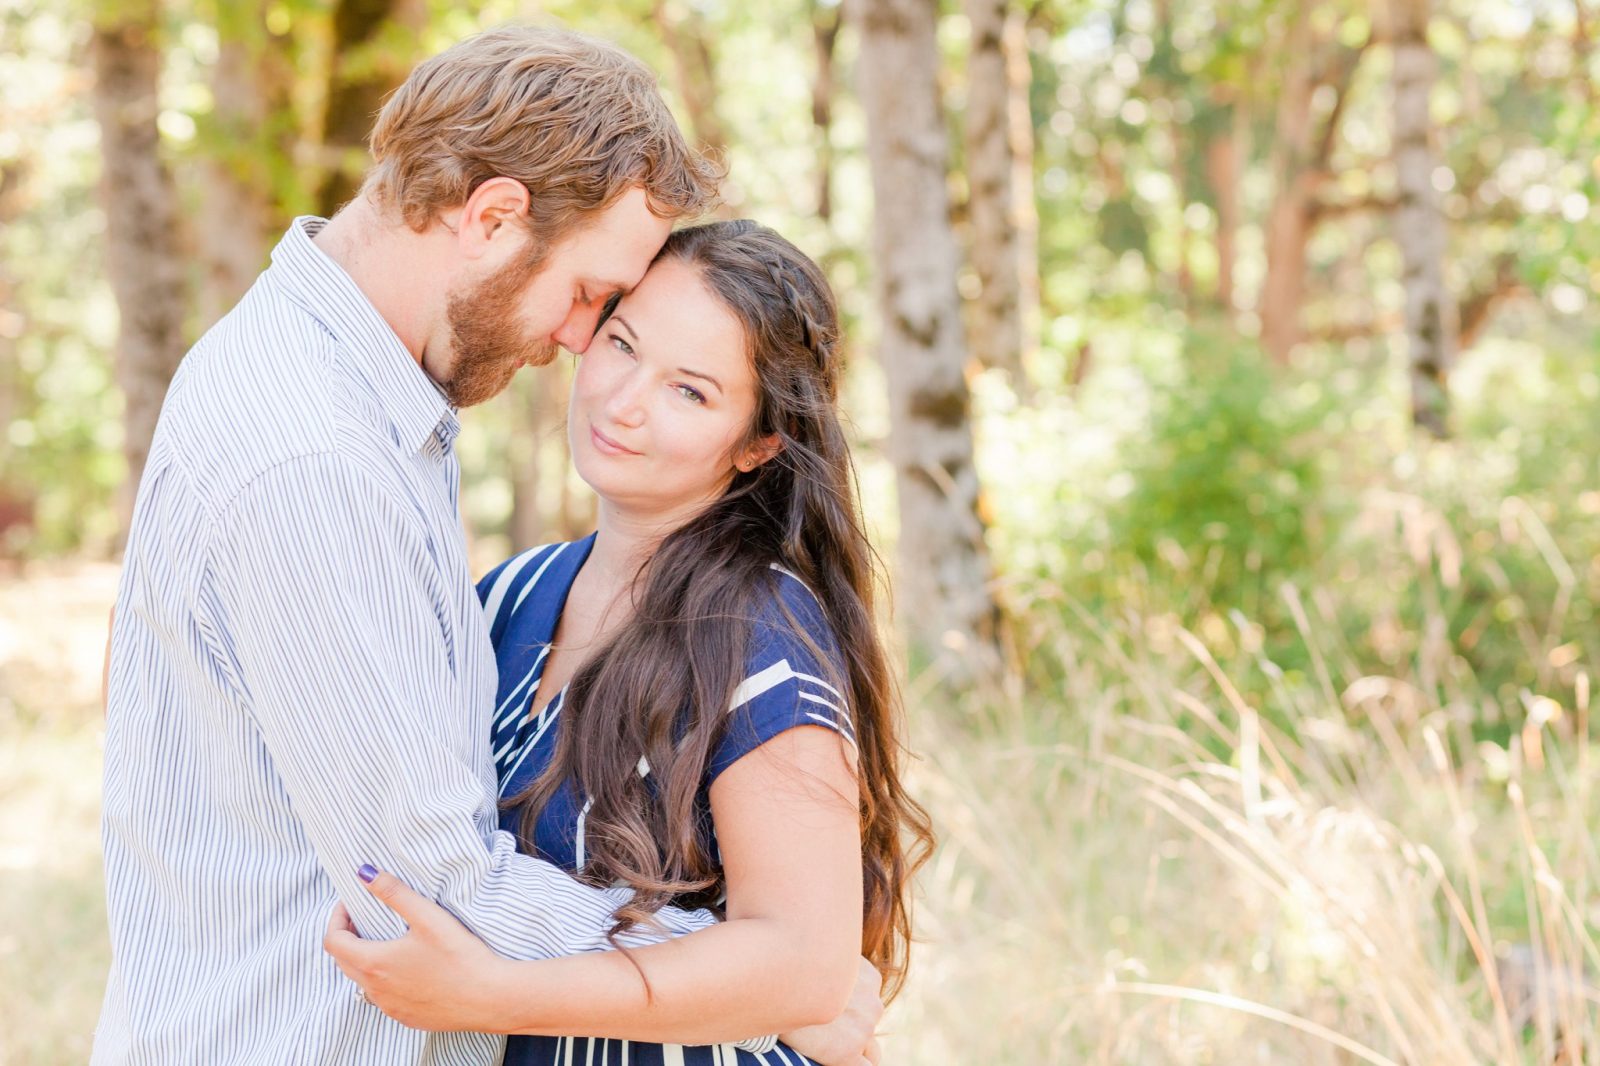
(619, 320)
(702, 376)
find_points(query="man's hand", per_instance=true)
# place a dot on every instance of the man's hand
(848, 1040)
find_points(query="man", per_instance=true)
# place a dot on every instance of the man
(300, 679)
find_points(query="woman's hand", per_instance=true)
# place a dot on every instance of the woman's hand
(438, 976)
(850, 1039)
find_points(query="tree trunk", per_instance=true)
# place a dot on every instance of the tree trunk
(1419, 223)
(825, 22)
(1288, 227)
(1222, 164)
(544, 505)
(1180, 144)
(1301, 166)
(1582, 46)
(1024, 212)
(695, 75)
(1179, 147)
(16, 500)
(538, 449)
(141, 207)
(527, 526)
(363, 72)
(996, 313)
(944, 567)
(684, 33)
(238, 219)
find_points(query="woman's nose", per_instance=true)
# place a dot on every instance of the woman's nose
(625, 402)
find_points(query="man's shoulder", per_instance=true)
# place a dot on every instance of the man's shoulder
(257, 392)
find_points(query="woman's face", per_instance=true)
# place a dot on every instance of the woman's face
(663, 397)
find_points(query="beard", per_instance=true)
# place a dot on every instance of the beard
(488, 338)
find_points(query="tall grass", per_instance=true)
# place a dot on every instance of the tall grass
(1168, 849)
(1161, 846)
(53, 944)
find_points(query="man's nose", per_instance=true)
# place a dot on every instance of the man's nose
(577, 331)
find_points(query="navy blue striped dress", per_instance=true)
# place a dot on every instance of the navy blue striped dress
(783, 688)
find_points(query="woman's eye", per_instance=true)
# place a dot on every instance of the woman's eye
(623, 346)
(690, 393)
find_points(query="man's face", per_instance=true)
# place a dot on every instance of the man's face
(510, 319)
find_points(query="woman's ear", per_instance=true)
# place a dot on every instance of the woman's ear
(758, 452)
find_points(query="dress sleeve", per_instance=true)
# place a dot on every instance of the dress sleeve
(502, 589)
(791, 679)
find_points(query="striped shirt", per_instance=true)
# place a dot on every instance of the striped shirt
(302, 682)
(783, 687)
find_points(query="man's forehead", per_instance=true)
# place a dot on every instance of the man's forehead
(614, 252)
(605, 266)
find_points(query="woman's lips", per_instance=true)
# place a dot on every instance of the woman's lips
(606, 446)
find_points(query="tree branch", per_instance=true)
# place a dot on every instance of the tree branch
(1343, 71)
(1475, 311)
(1322, 210)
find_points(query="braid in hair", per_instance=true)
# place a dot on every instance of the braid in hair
(818, 340)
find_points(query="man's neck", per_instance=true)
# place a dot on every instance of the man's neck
(390, 264)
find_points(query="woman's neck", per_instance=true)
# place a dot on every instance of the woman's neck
(626, 539)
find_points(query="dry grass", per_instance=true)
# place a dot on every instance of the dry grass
(53, 948)
(1139, 868)
(1136, 867)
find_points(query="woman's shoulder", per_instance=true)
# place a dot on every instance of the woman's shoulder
(794, 675)
(791, 625)
(789, 596)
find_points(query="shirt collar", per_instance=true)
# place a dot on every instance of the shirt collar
(320, 287)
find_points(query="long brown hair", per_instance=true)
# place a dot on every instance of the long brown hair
(661, 685)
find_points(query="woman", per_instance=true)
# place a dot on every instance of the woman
(693, 699)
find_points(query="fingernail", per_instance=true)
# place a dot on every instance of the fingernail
(367, 872)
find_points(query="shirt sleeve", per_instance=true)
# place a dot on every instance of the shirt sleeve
(793, 668)
(325, 606)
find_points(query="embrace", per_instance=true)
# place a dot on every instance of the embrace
(632, 799)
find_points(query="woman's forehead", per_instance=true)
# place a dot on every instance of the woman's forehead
(674, 310)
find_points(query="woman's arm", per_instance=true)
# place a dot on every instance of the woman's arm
(788, 955)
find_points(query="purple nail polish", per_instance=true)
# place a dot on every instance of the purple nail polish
(367, 872)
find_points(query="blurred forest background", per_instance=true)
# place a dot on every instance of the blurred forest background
(1225, 385)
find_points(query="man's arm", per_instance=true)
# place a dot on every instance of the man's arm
(325, 606)
(787, 823)
(105, 665)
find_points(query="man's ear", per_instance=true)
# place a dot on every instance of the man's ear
(484, 218)
(759, 452)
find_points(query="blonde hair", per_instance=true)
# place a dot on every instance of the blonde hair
(577, 120)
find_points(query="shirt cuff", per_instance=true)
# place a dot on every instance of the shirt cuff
(758, 1045)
